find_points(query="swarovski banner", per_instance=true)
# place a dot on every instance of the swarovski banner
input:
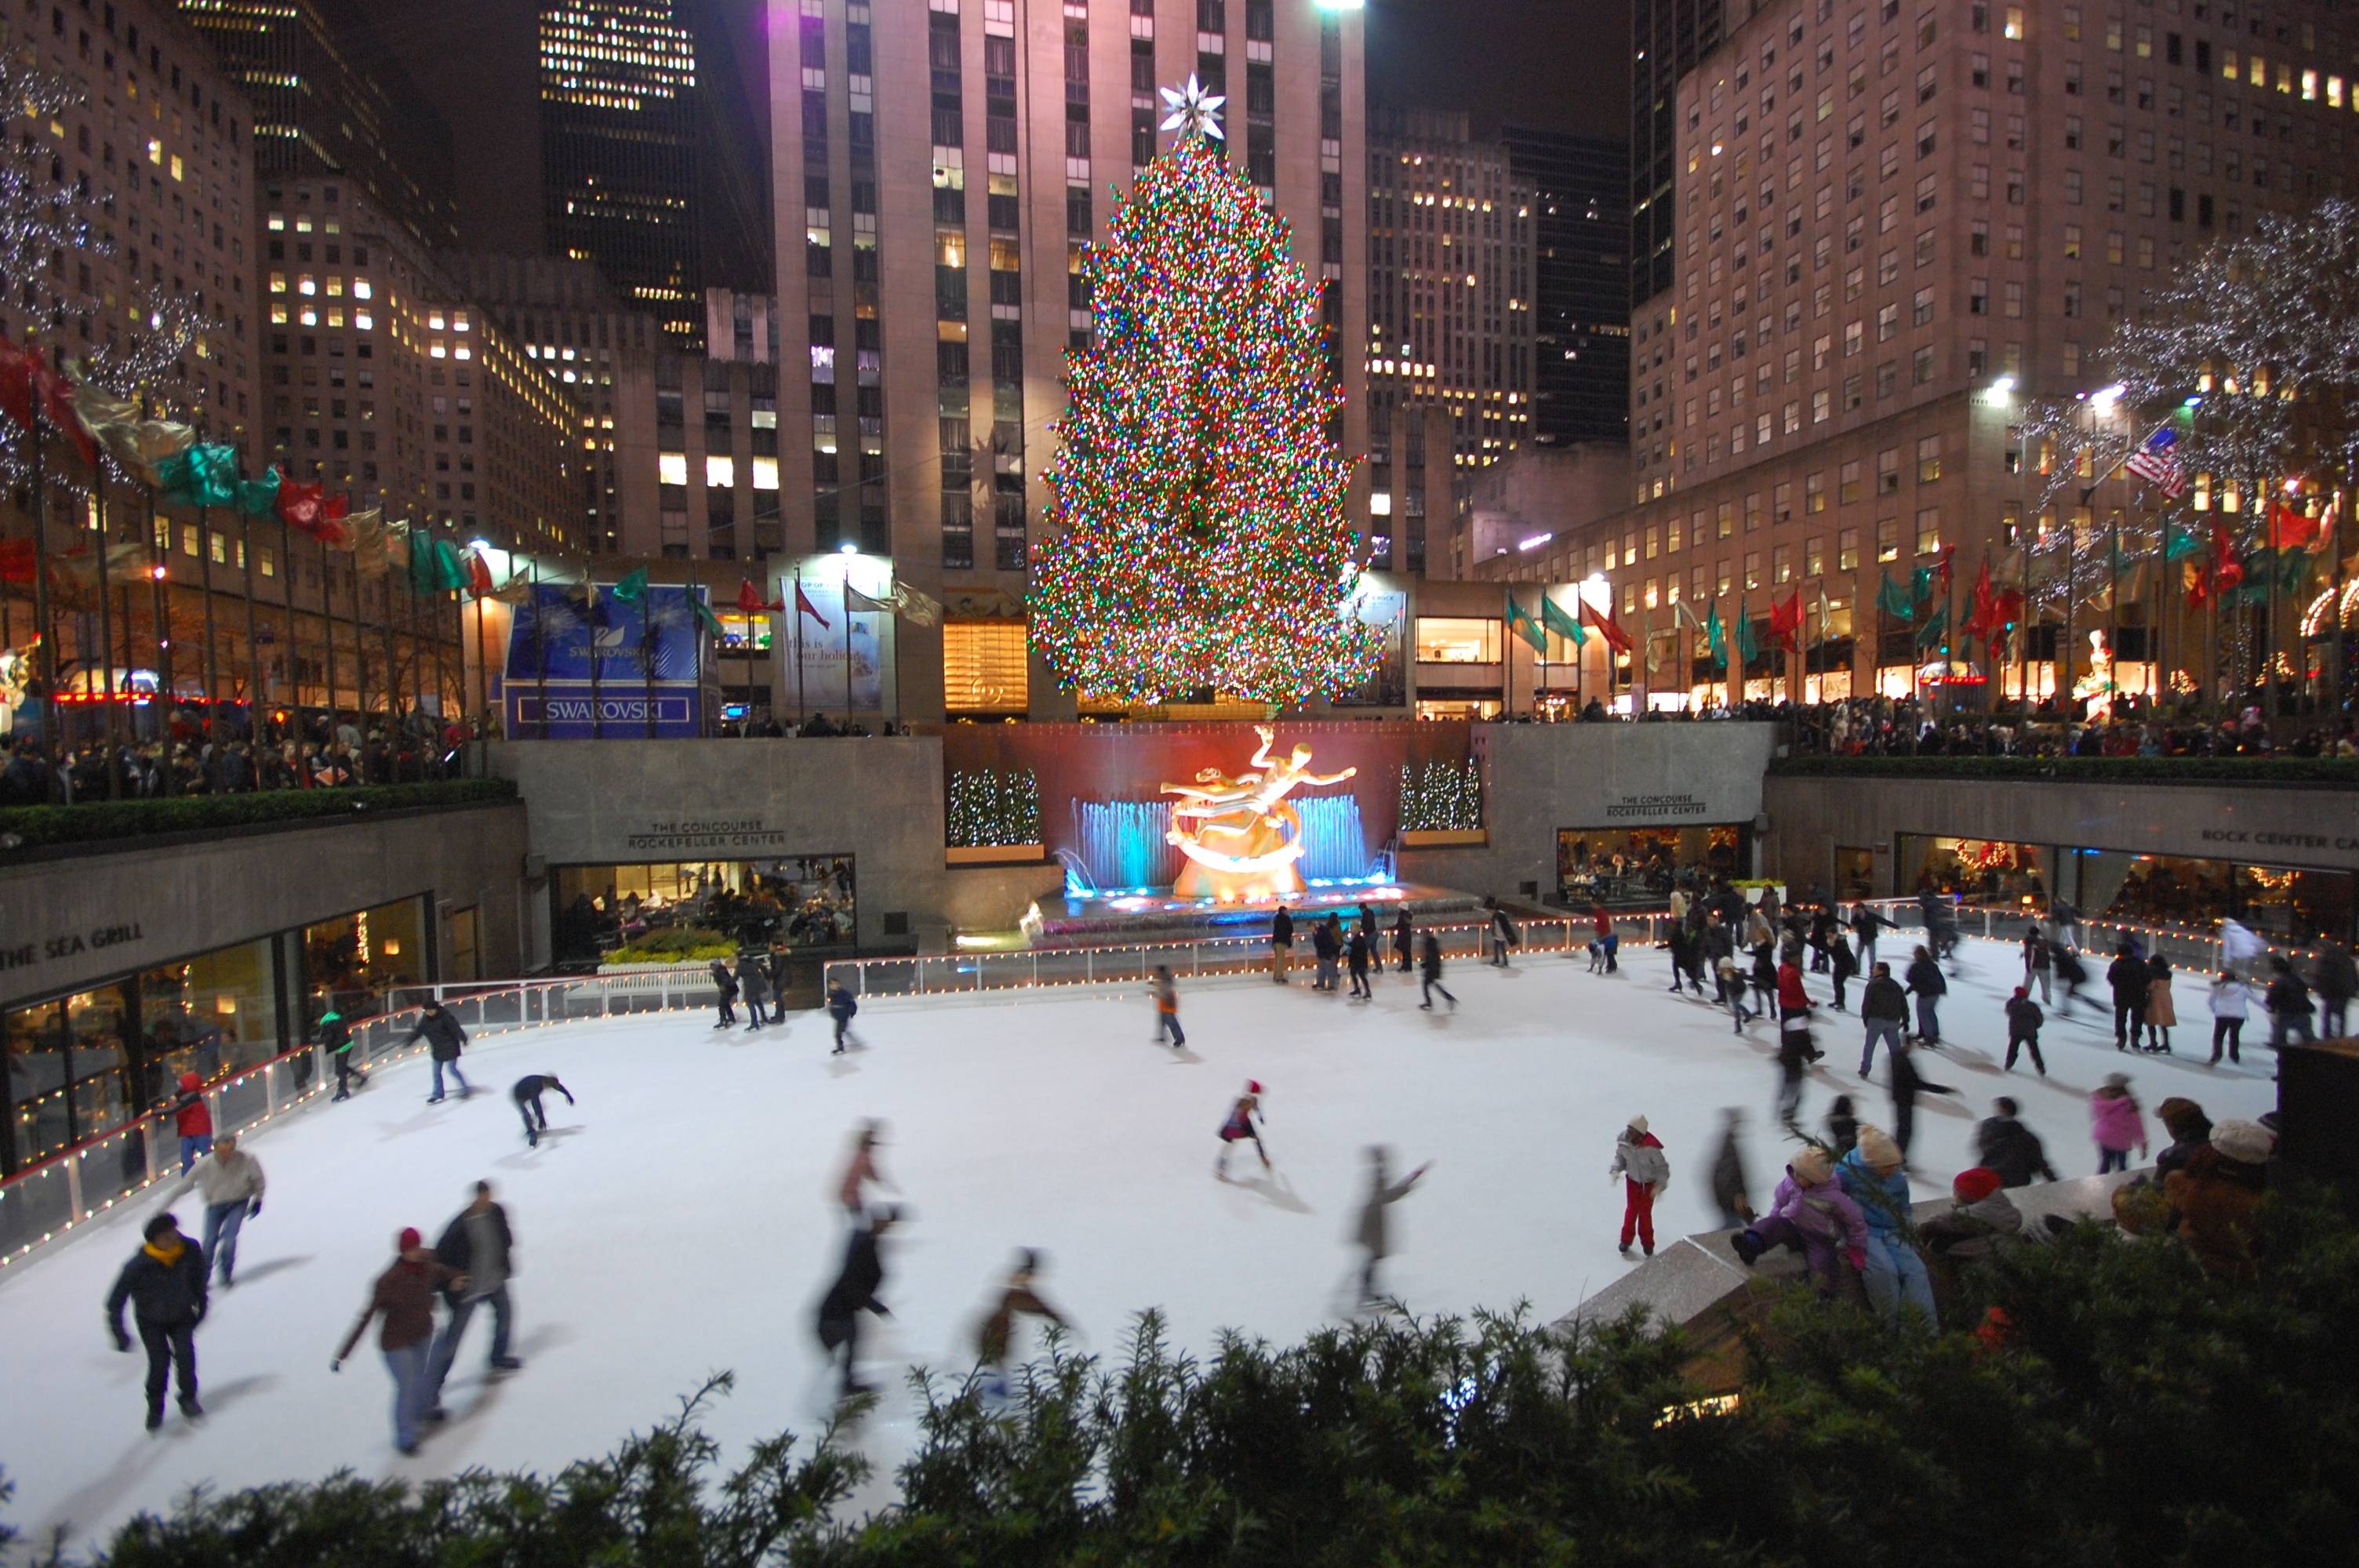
(589, 666)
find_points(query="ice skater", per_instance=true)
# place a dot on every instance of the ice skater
(1282, 944)
(1907, 1085)
(1376, 941)
(231, 1182)
(2115, 1123)
(1165, 992)
(1638, 1161)
(1840, 964)
(1327, 948)
(1503, 932)
(1732, 991)
(854, 1292)
(2232, 1003)
(527, 1095)
(1729, 1187)
(1430, 961)
(1883, 1015)
(1602, 942)
(336, 1040)
(1240, 1125)
(755, 987)
(725, 986)
(1019, 1296)
(1357, 955)
(192, 1119)
(165, 1285)
(481, 1246)
(852, 1191)
(1375, 1233)
(1928, 985)
(403, 1295)
(1402, 941)
(2066, 961)
(2023, 1021)
(444, 1042)
(1795, 1052)
(841, 1005)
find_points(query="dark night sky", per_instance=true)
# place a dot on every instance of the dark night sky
(1561, 64)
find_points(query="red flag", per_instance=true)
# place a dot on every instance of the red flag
(1983, 620)
(2289, 529)
(1786, 621)
(1942, 566)
(750, 600)
(16, 383)
(309, 508)
(17, 559)
(1615, 638)
(805, 606)
(55, 394)
(479, 574)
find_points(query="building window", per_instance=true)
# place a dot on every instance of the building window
(987, 668)
(1450, 640)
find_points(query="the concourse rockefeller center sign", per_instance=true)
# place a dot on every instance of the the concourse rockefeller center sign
(584, 668)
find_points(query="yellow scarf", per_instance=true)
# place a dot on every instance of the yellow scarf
(167, 1256)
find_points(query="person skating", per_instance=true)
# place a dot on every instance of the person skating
(725, 986)
(445, 1040)
(1240, 1125)
(1355, 958)
(1676, 942)
(2005, 1144)
(841, 1005)
(527, 1095)
(774, 971)
(1796, 1050)
(2069, 975)
(854, 1292)
(1883, 1016)
(1865, 924)
(1732, 991)
(754, 986)
(1764, 976)
(2288, 1003)
(1020, 1296)
(230, 1184)
(2023, 1021)
(336, 1040)
(1840, 964)
(2335, 978)
(2231, 996)
(1503, 932)
(861, 1169)
(1326, 947)
(1430, 963)
(2115, 1123)
(1638, 1161)
(1907, 1085)
(1822, 930)
(1376, 944)
(2161, 1013)
(1895, 1275)
(192, 1119)
(1729, 1191)
(403, 1296)
(1602, 940)
(479, 1245)
(1375, 1234)
(1402, 942)
(1167, 1008)
(2039, 963)
(1811, 1213)
(1843, 1126)
(165, 1285)
(2127, 977)
(1282, 943)
(1928, 985)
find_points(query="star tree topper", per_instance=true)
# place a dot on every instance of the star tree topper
(1193, 110)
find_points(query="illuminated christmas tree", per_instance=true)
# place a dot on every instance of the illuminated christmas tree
(1205, 541)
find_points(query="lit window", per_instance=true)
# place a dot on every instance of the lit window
(360, 289)
(671, 467)
(1451, 640)
(363, 320)
(987, 668)
(278, 283)
(154, 151)
(307, 284)
(765, 473)
(720, 472)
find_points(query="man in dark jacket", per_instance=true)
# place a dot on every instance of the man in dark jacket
(2023, 1021)
(854, 1292)
(527, 1095)
(1728, 1184)
(1864, 925)
(1884, 1012)
(479, 1245)
(2335, 978)
(2013, 1150)
(2289, 1008)
(2128, 977)
(444, 1038)
(336, 1040)
(165, 1283)
(1282, 944)
(1926, 980)
(725, 984)
(1326, 945)
(1907, 1085)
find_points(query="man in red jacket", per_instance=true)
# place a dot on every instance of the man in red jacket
(193, 1120)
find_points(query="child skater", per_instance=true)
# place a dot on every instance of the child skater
(1019, 1295)
(1167, 1009)
(1241, 1125)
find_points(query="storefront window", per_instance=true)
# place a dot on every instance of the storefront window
(1631, 865)
(40, 1123)
(1456, 640)
(2284, 904)
(351, 961)
(1981, 871)
(684, 913)
(1854, 873)
(212, 1014)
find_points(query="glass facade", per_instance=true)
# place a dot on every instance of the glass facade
(1623, 865)
(794, 900)
(2282, 902)
(353, 961)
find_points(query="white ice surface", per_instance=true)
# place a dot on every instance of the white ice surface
(681, 1218)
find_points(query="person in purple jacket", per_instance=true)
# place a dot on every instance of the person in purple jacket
(1812, 1213)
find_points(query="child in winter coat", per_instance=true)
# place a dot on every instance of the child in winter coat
(1167, 1008)
(2232, 1003)
(841, 1006)
(1895, 1275)
(192, 1120)
(1814, 1215)
(1638, 1161)
(2114, 1121)
(2023, 1021)
(1240, 1125)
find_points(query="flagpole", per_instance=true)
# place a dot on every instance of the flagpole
(802, 703)
(539, 640)
(847, 649)
(106, 633)
(647, 653)
(45, 661)
(1507, 655)
(160, 604)
(483, 691)
(597, 659)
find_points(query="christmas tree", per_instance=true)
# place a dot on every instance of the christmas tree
(1205, 542)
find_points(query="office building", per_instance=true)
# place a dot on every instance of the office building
(1666, 38)
(320, 112)
(1580, 213)
(1451, 315)
(940, 171)
(1894, 225)
(619, 126)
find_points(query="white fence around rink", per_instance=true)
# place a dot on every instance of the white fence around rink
(47, 1201)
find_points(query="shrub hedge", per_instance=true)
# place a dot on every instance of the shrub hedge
(100, 821)
(2342, 770)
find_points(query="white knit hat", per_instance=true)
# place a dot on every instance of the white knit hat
(1638, 1124)
(2246, 1142)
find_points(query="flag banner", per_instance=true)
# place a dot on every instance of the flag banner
(2156, 462)
(1936, 625)
(824, 653)
(704, 615)
(861, 603)
(582, 668)
(750, 603)
(1716, 635)
(1786, 621)
(1521, 623)
(1553, 617)
(204, 475)
(1615, 638)
(1894, 600)
(918, 609)
(258, 498)
(371, 542)
(632, 587)
(803, 605)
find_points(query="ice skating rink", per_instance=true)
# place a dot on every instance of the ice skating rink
(682, 1218)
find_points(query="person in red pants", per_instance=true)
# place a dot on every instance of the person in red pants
(1638, 1161)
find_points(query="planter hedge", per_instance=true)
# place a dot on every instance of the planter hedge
(105, 820)
(2342, 771)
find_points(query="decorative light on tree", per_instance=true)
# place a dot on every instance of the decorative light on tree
(1205, 541)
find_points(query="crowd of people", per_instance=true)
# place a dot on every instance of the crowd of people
(306, 752)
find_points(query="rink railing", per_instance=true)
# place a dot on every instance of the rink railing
(49, 1200)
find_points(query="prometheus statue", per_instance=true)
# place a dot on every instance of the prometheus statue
(1242, 838)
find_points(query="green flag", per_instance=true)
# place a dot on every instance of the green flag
(1521, 623)
(204, 475)
(259, 497)
(1563, 625)
(1748, 646)
(2183, 545)
(629, 589)
(1894, 600)
(704, 615)
(1935, 625)
(1920, 585)
(1715, 634)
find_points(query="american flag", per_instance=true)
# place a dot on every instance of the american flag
(2156, 462)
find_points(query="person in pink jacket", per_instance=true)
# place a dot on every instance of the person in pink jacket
(1813, 1213)
(2116, 1124)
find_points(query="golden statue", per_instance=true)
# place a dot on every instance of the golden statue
(1242, 838)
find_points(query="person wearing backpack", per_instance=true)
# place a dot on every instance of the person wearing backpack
(841, 1007)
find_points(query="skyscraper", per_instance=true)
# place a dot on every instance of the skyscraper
(1666, 38)
(1580, 206)
(619, 152)
(941, 171)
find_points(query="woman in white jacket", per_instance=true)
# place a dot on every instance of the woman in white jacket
(2232, 1003)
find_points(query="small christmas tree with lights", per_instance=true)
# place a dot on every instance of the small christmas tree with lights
(1205, 540)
